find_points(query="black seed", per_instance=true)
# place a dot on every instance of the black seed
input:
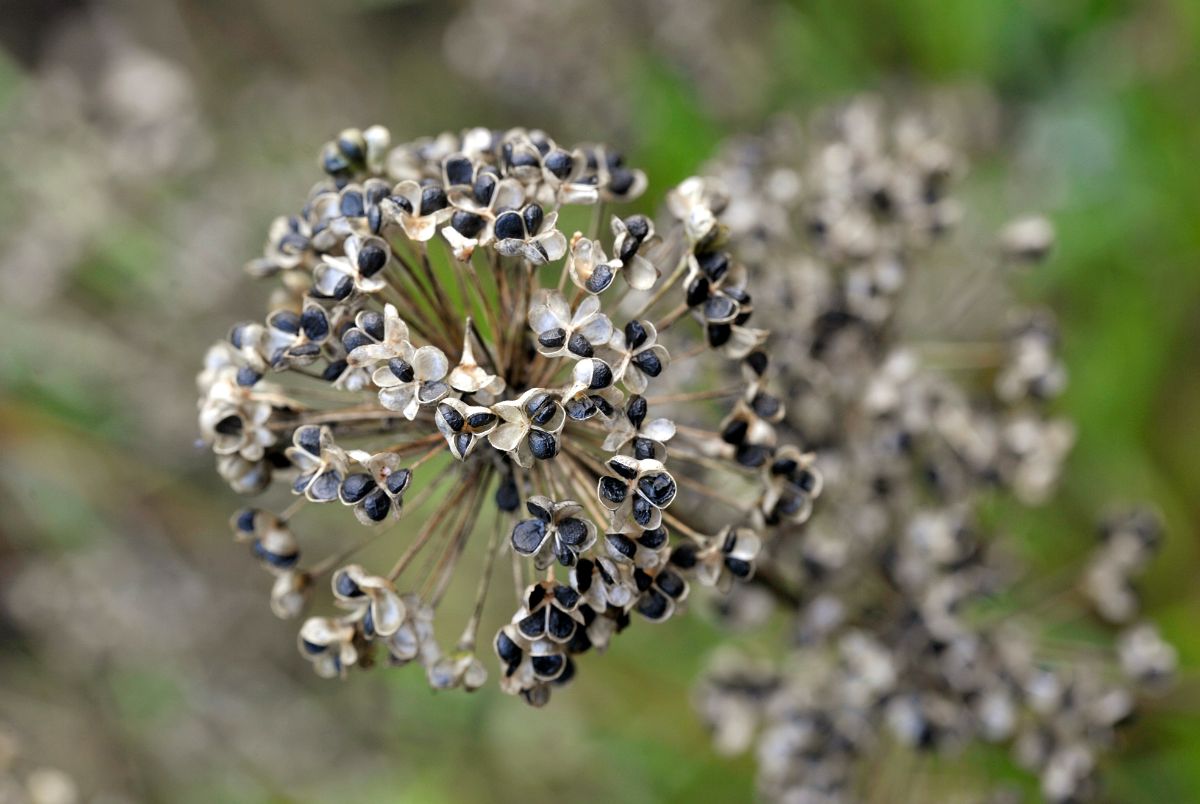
(638, 227)
(620, 181)
(467, 224)
(642, 511)
(343, 288)
(580, 410)
(602, 375)
(766, 405)
(543, 445)
(578, 345)
(368, 623)
(636, 410)
(325, 487)
(285, 321)
(547, 666)
(653, 539)
(635, 334)
(507, 497)
(245, 520)
(247, 376)
(509, 226)
(533, 626)
(401, 202)
(601, 405)
(371, 259)
(377, 504)
(572, 532)
(622, 544)
(784, 466)
(463, 443)
(579, 643)
(346, 587)
(509, 652)
(537, 510)
(714, 263)
(352, 205)
(536, 595)
(719, 307)
(738, 567)
(553, 338)
(522, 159)
(458, 169)
(653, 606)
(649, 363)
(790, 504)
(315, 324)
(375, 191)
(697, 292)
(671, 584)
(612, 489)
(752, 455)
(643, 448)
(719, 334)
(402, 369)
(560, 626)
(351, 148)
(309, 439)
(433, 198)
(735, 432)
(583, 575)
(623, 469)
(371, 323)
(332, 160)
(300, 350)
(281, 561)
(541, 409)
(566, 597)
(374, 218)
(658, 488)
(559, 163)
(533, 216)
(355, 487)
(398, 481)
(237, 335)
(528, 535)
(684, 556)
(757, 361)
(602, 276)
(312, 647)
(485, 188)
(452, 417)
(482, 419)
(334, 370)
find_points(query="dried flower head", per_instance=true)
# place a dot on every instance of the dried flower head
(445, 361)
(919, 407)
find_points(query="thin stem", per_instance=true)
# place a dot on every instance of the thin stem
(695, 396)
(454, 548)
(471, 631)
(427, 530)
(670, 318)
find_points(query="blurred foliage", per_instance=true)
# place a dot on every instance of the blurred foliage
(96, 416)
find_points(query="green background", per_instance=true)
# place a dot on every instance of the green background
(136, 648)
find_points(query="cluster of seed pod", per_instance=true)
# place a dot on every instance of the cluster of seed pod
(919, 408)
(442, 358)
